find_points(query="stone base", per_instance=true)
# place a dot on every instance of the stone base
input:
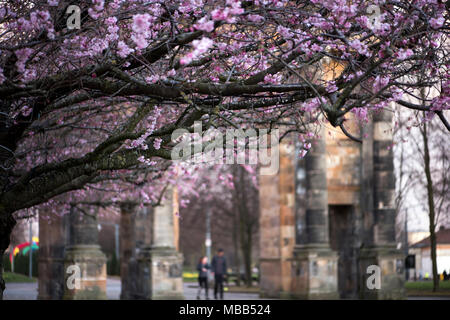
(314, 273)
(391, 263)
(51, 279)
(92, 263)
(160, 274)
(275, 277)
(129, 279)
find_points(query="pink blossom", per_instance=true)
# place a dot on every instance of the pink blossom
(157, 143)
(98, 4)
(303, 153)
(313, 104)
(285, 32)
(331, 87)
(26, 111)
(152, 79)
(436, 23)
(141, 23)
(272, 78)
(124, 50)
(22, 57)
(360, 47)
(111, 21)
(204, 24)
(404, 54)
(255, 18)
(94, 14)
(200, 47)
(380, 82)
(361, 114)
(140, 41)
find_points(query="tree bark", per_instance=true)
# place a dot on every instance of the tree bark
(245, 224)
(237, 260)
(431, 208)
(246, 234)
(7, 223)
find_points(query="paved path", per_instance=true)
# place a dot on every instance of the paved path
(28, 291)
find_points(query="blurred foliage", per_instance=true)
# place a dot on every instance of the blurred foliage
(113, 266)
(21, 263)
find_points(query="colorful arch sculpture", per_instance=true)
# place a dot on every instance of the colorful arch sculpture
(25, 246)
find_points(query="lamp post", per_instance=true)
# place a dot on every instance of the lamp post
(30, 264)
(208, 241)
(406, 242)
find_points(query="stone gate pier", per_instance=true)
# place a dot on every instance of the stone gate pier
(160, 265)
(84, 254)
(151, 266)
(326, 218)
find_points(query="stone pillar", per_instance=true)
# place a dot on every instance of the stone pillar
(176, 219)
(160, 265)
(143, 227)
(52, 240)
(84, 252)
(314, 267)
(128, 265)
(381, 249)
(277, 234)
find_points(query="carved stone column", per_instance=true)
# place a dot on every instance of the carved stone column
(380, 249)
(128, 265)
(160, 265)
(314, 266)
(277, 234)
(84, 253)
(52, 240)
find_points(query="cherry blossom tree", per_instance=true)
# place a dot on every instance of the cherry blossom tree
(80, 106)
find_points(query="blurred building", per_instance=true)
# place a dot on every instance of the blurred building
(422, 252)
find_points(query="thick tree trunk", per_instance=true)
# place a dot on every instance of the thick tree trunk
(248, 257)
(431, 208)
(7, 223)
(237, 260)
(246, 247)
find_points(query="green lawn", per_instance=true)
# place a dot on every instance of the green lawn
(418, 288)
(190, 276)
(17, 277)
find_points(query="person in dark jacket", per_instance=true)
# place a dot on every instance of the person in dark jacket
(219, 270)
(202, 268)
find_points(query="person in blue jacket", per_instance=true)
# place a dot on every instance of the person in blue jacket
(219, 269)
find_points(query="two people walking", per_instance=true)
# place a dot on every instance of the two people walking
(218, 269)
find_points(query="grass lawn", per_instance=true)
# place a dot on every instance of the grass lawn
(190, 276)
(16, 277)
(243, 289)
(424, 288)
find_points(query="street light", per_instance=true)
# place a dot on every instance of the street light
(208, 241)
